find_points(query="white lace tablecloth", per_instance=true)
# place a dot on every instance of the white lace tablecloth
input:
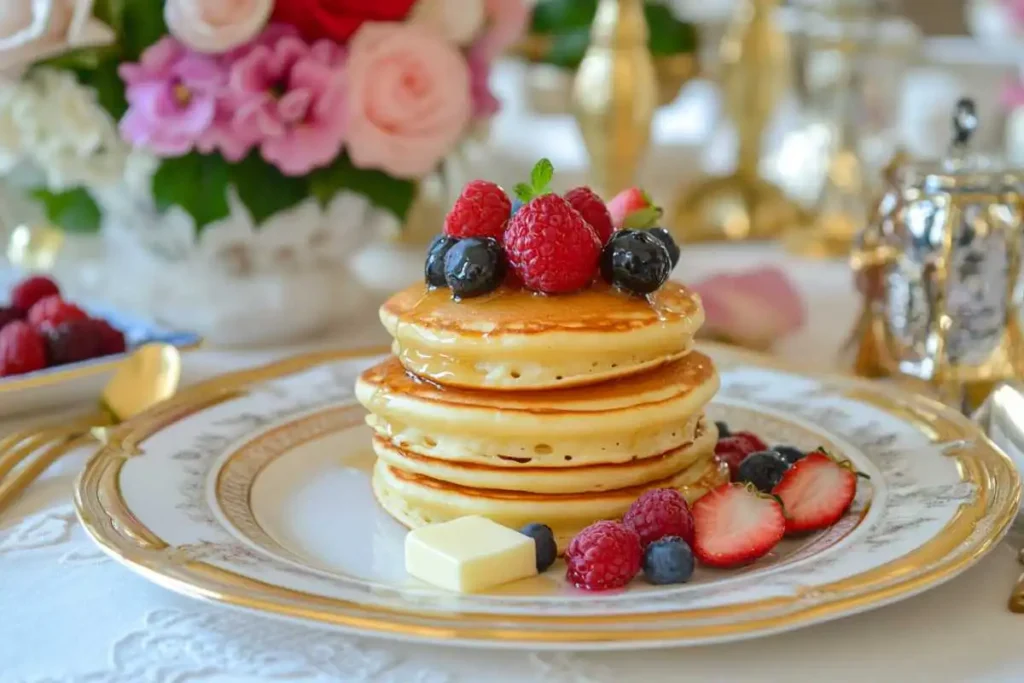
(69, 614)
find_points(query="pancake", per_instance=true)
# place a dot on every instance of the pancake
(518, 340)
(416, 501)
(525, 478)
(619, 421)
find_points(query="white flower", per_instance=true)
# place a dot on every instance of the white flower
(216, 25)
(55, 123)
(31, 30)
(457, 20)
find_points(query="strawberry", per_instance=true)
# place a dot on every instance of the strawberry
(51, 311)
(815, 492)
(634, 209)
(734, 448)
(735, 524)
(22, 349)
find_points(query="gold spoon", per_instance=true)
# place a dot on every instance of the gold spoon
(146, 377)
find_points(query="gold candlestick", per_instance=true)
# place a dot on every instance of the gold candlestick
(615, 94)
(755, 72)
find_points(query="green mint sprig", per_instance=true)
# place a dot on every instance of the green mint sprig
(540, 181)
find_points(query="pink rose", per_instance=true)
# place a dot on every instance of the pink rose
(409, 98)
(216, 25)
(31, 30)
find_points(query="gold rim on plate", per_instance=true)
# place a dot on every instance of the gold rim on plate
(103, 512)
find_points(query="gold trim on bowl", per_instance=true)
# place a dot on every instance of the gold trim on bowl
(102, 511)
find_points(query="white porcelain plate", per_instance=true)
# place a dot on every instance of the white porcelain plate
(253, 490)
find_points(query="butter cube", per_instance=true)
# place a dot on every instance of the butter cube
(469, 554)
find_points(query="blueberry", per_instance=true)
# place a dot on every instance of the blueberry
(723, 430)
(636, 261)
(763, 469)
(544, 539)
(666, 238)
(517, 204)
(668, 560)
(474, 266)
(433, 271)
(790, 454)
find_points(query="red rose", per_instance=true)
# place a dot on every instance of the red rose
(338, 19)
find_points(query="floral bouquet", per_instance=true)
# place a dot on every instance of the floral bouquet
(300, 118)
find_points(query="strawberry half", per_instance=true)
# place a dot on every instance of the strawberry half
(815, 492)
(735, 524)
(633, 208)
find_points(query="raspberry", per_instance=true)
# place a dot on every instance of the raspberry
(593, 210)
(8, 314)
(112, 338)
(30, 290)
(550, 247)
(659, 513)
(733, 449)
(52, 311)
(73, 342)
(482, 210)
(21, 349)
(604, 555)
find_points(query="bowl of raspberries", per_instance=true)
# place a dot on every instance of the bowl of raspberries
(54, 350)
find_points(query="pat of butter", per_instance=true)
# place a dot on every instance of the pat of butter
(469, 554)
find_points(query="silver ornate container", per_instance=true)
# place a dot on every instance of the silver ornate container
(944, 254)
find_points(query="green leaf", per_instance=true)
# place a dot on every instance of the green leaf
(109, 87)
(557, 16)
(265, 190)
(540, 176)
(142, 24)
(667, 35)
(392, 194)
(196, 183)
(110, 12)
(567, 48)
(76, 60)
(73, 210)
(523, 191)
(642, 219)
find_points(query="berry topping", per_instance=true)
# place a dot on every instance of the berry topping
(815, 492)
(668, 560)
(734, 448)
(659, 513)
(723, 429)
(30, 290)
(21, 349)
(605, 555)
(790, 454)
(544, 539)
(633, 208)
(72, 342)
(433, 270)
(635, 261)
(482, 210)
(593, 210)
(111, 339)
(474, 266)
(550, 247)
(8, 314)
(666, 238)
(735, 524)
(52, 311)
(763, 469)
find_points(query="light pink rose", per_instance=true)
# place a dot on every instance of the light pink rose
(216, 25)
(409, 98)
(31, 30)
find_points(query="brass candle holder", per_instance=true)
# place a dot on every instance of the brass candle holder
(755, 75)
(943, 261)
(615, 93)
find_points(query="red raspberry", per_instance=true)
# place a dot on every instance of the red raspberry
(550, 247)
(52, 311)
(482, 210)
(593, 210)
(73, 342)
(112, 339)
(8, 314)
(21, 349)
(659, 513)
(604, 555)
(30, 290)
(733, 449)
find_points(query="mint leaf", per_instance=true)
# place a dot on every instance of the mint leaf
(265, 190)
(73, 210)
(142, 24)
(523, 191)
(196, 183)
(391, 194)
(540, 176)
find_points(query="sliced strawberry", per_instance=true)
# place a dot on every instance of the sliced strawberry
(633, 208)
(734, 524)
(733, 449)
(815, 492)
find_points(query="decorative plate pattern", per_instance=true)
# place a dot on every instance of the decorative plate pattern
(253, 490)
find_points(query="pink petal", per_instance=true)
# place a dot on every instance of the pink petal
(294, 105)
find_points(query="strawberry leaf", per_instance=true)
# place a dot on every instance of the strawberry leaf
(643, 218)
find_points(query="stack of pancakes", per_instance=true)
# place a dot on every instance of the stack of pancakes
(525, 408)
